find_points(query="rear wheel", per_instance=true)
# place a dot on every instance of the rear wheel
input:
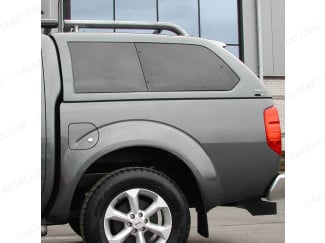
(135, 205)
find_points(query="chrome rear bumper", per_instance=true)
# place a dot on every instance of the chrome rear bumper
(276, 190)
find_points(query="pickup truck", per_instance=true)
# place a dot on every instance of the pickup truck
(138, 128)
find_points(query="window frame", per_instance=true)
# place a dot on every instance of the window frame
(189, 90)
(138, 64)
(242, 89)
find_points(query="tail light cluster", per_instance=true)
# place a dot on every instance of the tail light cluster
(273, 129)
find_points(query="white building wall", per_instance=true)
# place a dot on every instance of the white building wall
(273, 38)
(278, 31)
(49, 9)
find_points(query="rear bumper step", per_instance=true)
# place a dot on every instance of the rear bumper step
(257, 206)
(265, 206)
(276, 190)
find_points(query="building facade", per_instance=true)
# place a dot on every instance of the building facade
(252, 29)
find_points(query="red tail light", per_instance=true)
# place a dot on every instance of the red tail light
(272, 128)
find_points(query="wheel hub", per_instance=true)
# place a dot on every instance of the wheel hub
(137, 223)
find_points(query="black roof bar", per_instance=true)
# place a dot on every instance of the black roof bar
(49, 23)
(107, 24)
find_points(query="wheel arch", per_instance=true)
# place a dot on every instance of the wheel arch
(148, 157)
(144, 158)
(131, 134)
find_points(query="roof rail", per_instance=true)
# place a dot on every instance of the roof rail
(107, 24)
(49, 23)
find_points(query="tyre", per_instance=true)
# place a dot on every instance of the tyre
(135, 205)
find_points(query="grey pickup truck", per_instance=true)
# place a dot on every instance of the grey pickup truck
(138, 128)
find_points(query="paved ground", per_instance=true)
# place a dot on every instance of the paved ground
(226, 225)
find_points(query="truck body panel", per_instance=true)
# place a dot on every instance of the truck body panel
(219, 135)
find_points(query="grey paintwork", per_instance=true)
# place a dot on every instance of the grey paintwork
(244, 89)
(51, 88)
(219, 135)
(82, 135)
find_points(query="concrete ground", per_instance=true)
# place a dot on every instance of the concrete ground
(226, 225)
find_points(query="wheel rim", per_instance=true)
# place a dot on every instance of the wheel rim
(147, 218)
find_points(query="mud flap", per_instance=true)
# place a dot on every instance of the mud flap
(202, 219)
(257, 206)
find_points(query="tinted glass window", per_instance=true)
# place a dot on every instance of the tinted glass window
(140, 10)
(211, 19)
(219, 20)
(94, 9)
(234, 50)
(106, 67)
(143, 10)
(183, 13)
(91, 10)
(177, 67)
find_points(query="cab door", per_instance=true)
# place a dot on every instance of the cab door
(43, 133)
(51, 90)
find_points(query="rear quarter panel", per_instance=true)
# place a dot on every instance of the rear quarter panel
(230, 131)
